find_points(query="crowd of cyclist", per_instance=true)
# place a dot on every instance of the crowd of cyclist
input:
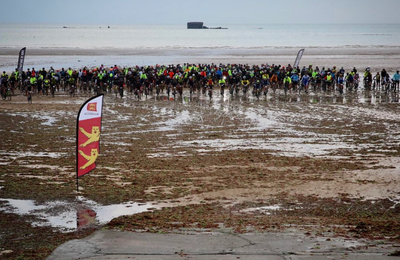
(233, 79)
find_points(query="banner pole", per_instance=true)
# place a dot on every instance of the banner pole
(77, 148)
(89, 112)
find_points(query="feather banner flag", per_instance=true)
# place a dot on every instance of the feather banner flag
(88, 129)
(21, 59)
(298, 58)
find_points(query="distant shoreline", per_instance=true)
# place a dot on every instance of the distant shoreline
(272, 50)
(377, 57)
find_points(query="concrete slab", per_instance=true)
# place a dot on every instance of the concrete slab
(191, 257)
(112, 244)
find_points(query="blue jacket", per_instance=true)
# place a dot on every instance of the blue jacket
(295, 77)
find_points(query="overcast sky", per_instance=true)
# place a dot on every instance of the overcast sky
(211, 12)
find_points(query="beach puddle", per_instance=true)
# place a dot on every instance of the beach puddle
(70, 216)
(267, 210)
(15, 155)
(283, 146)
(179, 118)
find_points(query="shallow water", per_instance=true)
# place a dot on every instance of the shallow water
(65, 215)
(264, 210)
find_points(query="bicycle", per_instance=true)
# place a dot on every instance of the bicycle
(98, 90)
(231, 89)
(204, 89)
(158, 90)
(115, 87)
(53, 90)
(286, 87)
(266, 88)
(244, 89)
(121, 91)
(29, 96)
(169, 90)
(72, 91)
(367, 84)
(222, 86)
(340, 87)
(237, 88)
(274, 86)
(146, 90)
(180, 90)
(8, 94)
(258, 92)
(174, 92)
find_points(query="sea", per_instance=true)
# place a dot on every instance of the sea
(109, 39)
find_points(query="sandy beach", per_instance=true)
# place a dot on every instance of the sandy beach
(208, 169)
(321, 166)
(376, 58)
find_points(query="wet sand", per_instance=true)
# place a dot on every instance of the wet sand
(321, 164)
(377, 57)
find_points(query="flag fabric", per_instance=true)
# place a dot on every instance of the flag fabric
(85, 218)
(21, 59)
(298, 58)
(88, 135)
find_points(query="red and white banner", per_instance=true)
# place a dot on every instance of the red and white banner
(85, 218)
(88, 135)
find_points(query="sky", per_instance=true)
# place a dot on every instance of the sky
(211, 12)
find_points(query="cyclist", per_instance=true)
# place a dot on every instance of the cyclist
(368, 78)
(265, 81)
(328, 81)
(71, 82)
(340, 82)
(274, 81)
(295, 80)
(53, 84)
(119, 81)
(245, 84)
(39, 83)
(222, 84)
(4, 79)
(2, 89)
(33, 82)
(46, 85)
(287, 81)
(29, 90)
(257, 87)
(377, 80)
(305, 81)
(396, 80)
(210, 85)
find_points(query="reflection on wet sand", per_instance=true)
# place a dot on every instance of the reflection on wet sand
(70, 216)
(362, 96)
